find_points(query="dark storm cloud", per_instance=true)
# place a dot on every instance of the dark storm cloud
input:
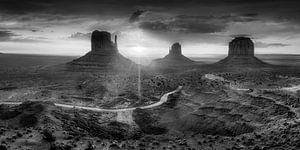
(124, 7)
(135, 16)
(278, 44)
(196, 24)
(240, 35)
(64, 10)
(182, 27)
(19, 6)
(6, 35)
(36, 30)
(9, 36)
(192, 16)
(30, 40)
(250, 15)
(266, 45)
(221, 18)
(64, 7)
(81, 36)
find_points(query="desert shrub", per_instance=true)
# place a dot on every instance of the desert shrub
(3, 147)
(5, 114)
(48, 136)
(212, 126)
(147, 122)
(93, 88)
(278, 109)
(90, 146)
(113, 130)
(54, 146)
(240, 128)
(33, 107)
(28, 120)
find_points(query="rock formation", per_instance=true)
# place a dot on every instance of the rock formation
(241, 46)
(104, 53)
(241, 52)
(175, 50)
(174, 58)
(101, 43)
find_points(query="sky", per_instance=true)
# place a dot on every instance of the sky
(147, 28)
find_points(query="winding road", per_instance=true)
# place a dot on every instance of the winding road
(163, 99)
(293, 89)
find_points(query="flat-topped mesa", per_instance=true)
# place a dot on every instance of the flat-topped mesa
(101, 43)
(104, 54)
(241, 53)
(175, 49)
(241, 46)
(173, 59)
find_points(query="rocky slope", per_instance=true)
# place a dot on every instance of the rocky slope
(41, 125)
(241, 53)
(173, 59)
(104, 54)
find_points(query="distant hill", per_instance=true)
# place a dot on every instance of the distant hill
(173, 59)
(280, 59)
(10, 61)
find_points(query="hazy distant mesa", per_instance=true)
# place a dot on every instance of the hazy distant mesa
(174, 58)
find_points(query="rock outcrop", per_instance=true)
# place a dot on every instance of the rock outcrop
(241, 53)
(241, 46)
(173, 59)
(175, 50)
(101, 43)
(104, 53)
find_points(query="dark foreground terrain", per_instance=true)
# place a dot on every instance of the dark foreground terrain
(217, 108)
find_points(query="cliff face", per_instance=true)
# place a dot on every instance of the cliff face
(241, 53)
(174, 58)
(104, 53)
(101, 43)
(175, 50)
(241, 46)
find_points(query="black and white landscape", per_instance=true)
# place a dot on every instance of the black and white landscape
(180, 75)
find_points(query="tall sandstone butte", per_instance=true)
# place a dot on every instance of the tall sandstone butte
(175, 50)
(174, 58)
(241, 53)
(101, 43)
(241, 46)
(104, 53)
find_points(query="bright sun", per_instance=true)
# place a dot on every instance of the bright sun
(138, 50)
